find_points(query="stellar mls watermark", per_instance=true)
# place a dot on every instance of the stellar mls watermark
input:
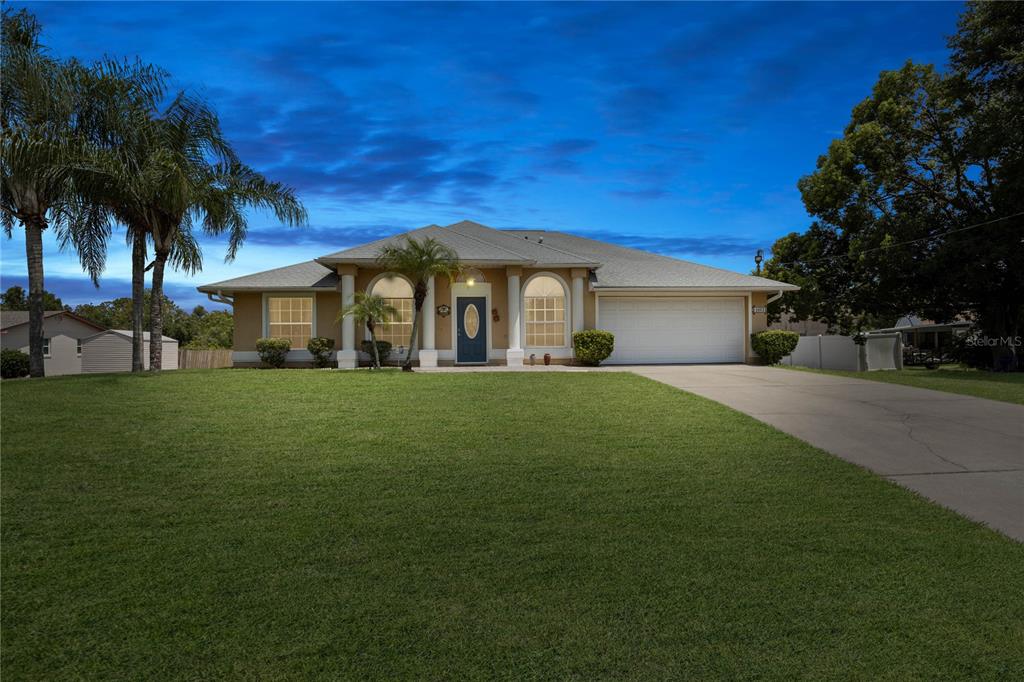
(977, 340)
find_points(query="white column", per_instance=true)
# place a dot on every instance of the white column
(577, 304)
(347, 356)
(514, 354)
(428, 349)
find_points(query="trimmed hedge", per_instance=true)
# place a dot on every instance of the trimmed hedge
(13, 363)
(383, 348)
(593, 346)
(774, 344)
(320, 348)
(273, 352)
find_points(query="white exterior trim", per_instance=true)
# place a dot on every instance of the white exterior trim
(465, 290)
(747, 349)
(724, 290)
(566, 315)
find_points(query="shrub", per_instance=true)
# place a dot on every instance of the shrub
(383, 347)
(593, 346)
(273, 352)
(13, 363)
(774, 344)
(320, 348)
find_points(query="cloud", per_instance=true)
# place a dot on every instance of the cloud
(75, 291)
(560, 156)
(329, 238)
(637, 109)
(711, 245)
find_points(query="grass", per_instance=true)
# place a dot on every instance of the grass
(1007, 387)
(291, 524)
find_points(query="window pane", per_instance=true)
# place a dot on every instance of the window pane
(291, 317)
(545, 313)
(398, 329)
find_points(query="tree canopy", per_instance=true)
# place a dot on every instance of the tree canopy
(15, 298)
(918, 207)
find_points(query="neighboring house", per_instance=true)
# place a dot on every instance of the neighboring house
(523, 293)
(63, 333)
(111, 351)
(927, 334)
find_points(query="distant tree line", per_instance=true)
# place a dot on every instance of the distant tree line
(199, 329)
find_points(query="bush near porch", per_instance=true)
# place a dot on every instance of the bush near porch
(773, 344)
(592, 346)
(273, 352)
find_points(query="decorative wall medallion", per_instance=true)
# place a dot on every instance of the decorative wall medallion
(444, 310)
(471, 321)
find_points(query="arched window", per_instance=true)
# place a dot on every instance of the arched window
(544, 301)
(397, 292)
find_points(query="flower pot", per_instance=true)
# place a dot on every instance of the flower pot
(547, 358)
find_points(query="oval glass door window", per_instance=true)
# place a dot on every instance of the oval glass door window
(471, 321)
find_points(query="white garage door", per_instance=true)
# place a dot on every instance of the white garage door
(653, 330)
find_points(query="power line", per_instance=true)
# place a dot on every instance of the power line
(910, 241)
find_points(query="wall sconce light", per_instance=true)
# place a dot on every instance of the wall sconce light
(444, 310)
(470, 282)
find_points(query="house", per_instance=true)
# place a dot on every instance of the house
(111, 351)
(522, 294)
(63, 332)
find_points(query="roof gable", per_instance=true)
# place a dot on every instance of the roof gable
(612, 266)
(14, 318)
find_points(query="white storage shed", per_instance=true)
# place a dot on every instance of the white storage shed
(111, 351)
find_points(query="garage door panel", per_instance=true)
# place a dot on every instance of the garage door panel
(684, 329)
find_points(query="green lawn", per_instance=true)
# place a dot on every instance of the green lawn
(296, 524)
(1005, 386)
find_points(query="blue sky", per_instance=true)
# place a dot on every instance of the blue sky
(679, 128)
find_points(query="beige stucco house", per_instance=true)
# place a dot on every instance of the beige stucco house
(63, 333)
(523, 293)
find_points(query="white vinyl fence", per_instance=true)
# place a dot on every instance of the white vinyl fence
(880, 351)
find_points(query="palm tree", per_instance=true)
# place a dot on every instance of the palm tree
(216, 198)
(371, 310)
(53, 115)
(177, 172)
(120, 99)
(419, 260)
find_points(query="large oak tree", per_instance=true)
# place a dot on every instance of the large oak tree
(919, 206)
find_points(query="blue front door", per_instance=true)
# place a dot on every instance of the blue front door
(471, 326)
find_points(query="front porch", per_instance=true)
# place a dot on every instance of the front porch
(489, 316)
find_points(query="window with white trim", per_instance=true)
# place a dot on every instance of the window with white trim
(46, 347)
(78, 346)
(545, 313)
(290, 317)
(397, 293)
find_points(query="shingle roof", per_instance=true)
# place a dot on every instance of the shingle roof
(308, 275)
(128, 335)
(613, 266)
(13, 318)
(622, 267)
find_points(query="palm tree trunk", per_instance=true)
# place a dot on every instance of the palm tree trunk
(407, 365)
(34, 227)
(373, 340)
(138, 299)
(156, 312)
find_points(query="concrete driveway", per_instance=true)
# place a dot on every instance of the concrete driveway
(962, 452)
